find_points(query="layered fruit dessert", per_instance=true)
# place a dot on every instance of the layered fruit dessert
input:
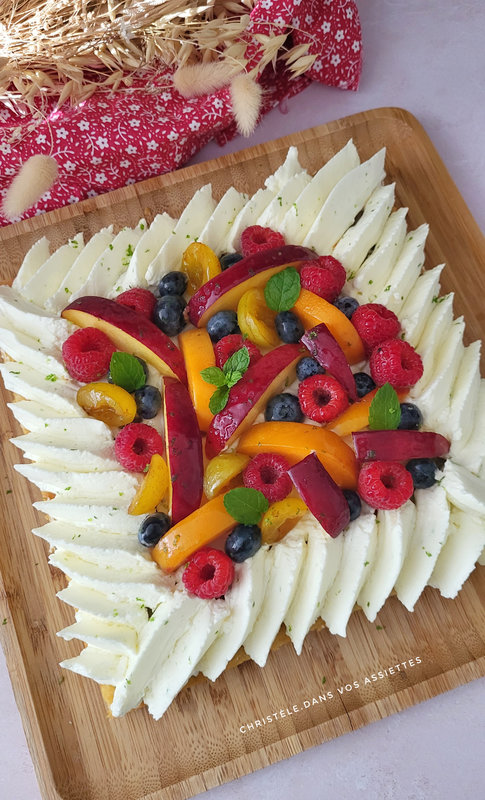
(249, 419)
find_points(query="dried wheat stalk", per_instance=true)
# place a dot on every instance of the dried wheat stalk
(70, 48)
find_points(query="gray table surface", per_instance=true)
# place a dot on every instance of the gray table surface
(427, 57)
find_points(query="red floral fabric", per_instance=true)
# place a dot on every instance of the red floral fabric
(112, 140)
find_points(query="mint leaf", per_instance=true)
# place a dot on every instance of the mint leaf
(219, 399)
(238, 362)
(282, 290)
(385, 410)
(233, 378)
(246, 505)
(213, 375)
(126, 371)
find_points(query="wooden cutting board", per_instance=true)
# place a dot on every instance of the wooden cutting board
(210, 734)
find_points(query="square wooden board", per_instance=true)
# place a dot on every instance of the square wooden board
(79, 753)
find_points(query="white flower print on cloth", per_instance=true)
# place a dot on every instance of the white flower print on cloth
(116, 139)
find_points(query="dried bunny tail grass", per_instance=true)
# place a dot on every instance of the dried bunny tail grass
(246, 97)
(197, 79)
(35, 177)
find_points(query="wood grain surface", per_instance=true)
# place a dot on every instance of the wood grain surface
(204, 739)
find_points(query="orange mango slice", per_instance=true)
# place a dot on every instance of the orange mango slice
(198, 354)
(296, 440)
(197, 530)
(312, 309)
(152, 489)
(356, 416)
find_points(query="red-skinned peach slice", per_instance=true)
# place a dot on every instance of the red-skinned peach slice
(320, 493)
(296, 440)
(197, 530)
(312, 309)
(399, 445)
(325, 349)
(249, 396)
(130, 331)
(225, 290)
(184, 450)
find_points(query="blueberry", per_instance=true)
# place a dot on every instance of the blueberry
(288, 327)
(222, 324)
(168, 314)
(308, 367)
(173, 283)
(363, 383)
(283, 408)
(243, 542)
(347, 305)
(423, 472)
(144, 365)
(353, 501)
(228, 259)
(153, 528)
(148, 402)
(411, 417)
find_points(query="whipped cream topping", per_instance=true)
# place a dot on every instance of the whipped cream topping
(143, 633)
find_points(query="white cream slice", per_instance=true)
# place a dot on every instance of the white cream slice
(101, 605)
(425, 543)
(274, 213)
(187, 229)
(343, 204)
(110, 265)
(33, 260)
(419, 304)
(356, 242)
(393, 530)
(405, 271)
(305, 605)
(372, 276)
(182, 660)
(299, 218)
(108, 487)
(286, 558)
(465, 542)
(465, 490)
(18, 314)
(46, 280)
(359, 544)
(77, 275)
(100, 461)
(244, 602)
(99, 665)
(26, 350)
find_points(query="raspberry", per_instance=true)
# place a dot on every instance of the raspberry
(208, 574)
(255, 238)
(87, 353)
(228, 345)
(141, 300)
(322, 398)
(385, 484)
(135, 445)
(269, 474)
(375, 323)
(397, 363)
(325, 277)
